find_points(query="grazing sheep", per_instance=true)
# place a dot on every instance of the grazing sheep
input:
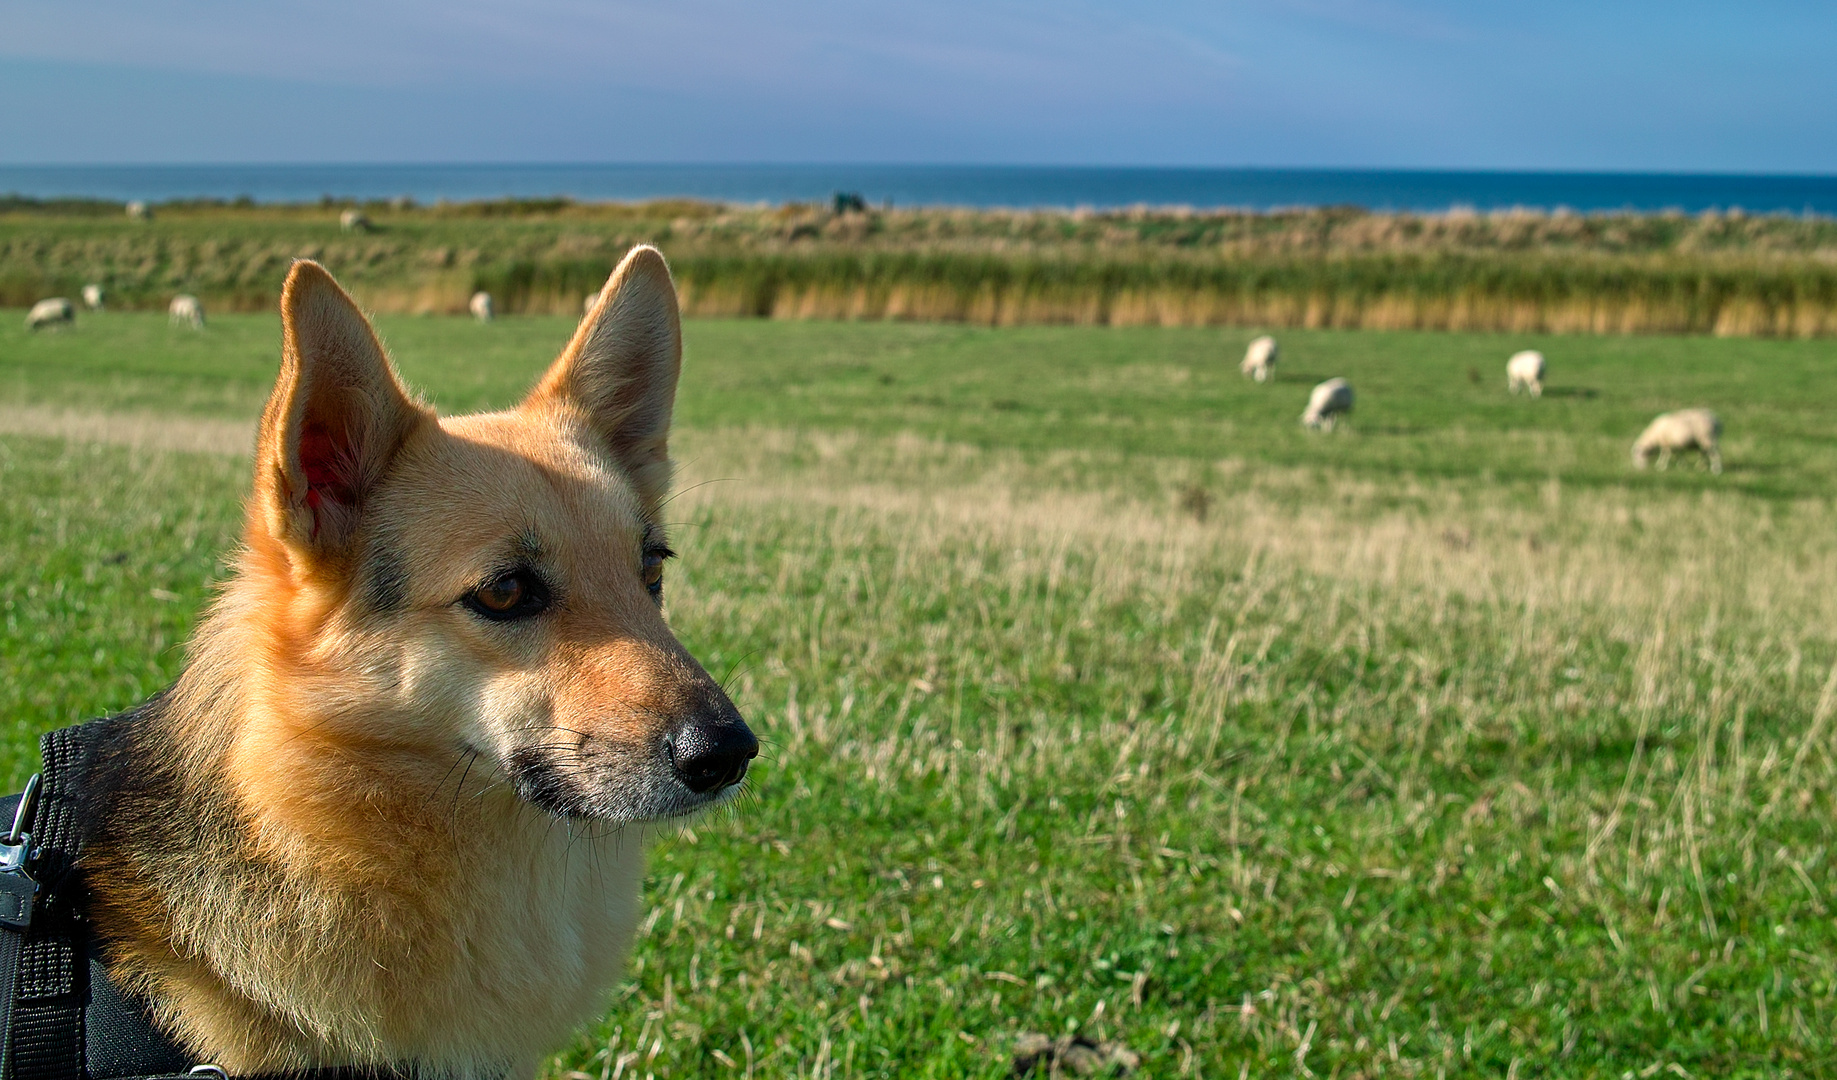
(353, 221)
(92, 297)
(1675, 432)
(51, 314)
(1260, 359)
(185, 310)
(1525, 371)
(140, 211)
(480, 306)
(1326, 403)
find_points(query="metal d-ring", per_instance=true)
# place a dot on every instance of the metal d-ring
(215, 1072)
(28, 800)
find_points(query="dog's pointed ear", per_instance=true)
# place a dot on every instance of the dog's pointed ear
(335, 420)
(620, 370)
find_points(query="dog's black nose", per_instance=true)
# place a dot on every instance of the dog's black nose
(709, 757)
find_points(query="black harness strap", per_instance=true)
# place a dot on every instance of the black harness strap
(63, 1018)
(119, 1036)
(44, 1038)
(10, 946)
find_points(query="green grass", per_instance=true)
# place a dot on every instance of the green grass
(1430, 404)
(1097, 695)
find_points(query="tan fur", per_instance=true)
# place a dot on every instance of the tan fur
(371, 891)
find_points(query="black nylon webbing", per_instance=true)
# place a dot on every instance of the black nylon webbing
(11, 943)
(45, 1036)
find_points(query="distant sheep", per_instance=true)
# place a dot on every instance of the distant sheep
(586, 305)
(1326, 403)
(186, 311)
(140, 211)
(1676, 432)
(1260, 359)
(1525, 371)
(92, 297)
(480, 306)
(51, 314)
(353, 221)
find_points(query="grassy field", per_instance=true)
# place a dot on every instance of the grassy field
(1099, 697)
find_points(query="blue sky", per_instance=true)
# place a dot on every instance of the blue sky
(1608, 84)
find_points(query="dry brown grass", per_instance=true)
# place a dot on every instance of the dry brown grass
(142, 431)
(1577, 550)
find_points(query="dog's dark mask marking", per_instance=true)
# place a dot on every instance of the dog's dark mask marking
(540, 784)
(385, 580)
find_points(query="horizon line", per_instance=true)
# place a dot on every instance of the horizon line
(1002, 166)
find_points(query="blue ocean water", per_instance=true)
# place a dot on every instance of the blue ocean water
(949, 185)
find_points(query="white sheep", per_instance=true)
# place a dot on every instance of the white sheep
(140, 211)
(480, 306)
(1676, 432)
(1260, 359)
(185, 310)
(1525, 371)
(92, 297)
(51, 314)
(1326, 403)
(353, 220)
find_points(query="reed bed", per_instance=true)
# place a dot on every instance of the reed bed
(1521, 271)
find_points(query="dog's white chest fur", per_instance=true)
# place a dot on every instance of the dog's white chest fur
(479, 971)
(535, 949)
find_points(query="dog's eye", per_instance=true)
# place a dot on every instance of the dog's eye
(653, 569)
(516, 595)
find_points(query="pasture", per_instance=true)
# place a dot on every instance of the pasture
(1100, 698)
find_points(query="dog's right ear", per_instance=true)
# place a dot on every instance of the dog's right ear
(337, 416)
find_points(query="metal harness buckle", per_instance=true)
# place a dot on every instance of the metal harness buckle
(18, 889)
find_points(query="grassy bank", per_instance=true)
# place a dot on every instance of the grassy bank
(1098, 697)
(1729, 275)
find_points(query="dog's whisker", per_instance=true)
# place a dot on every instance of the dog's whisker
(679, 493)
(459, 788)
(461, 756)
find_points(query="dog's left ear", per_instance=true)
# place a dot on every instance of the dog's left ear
(335, 420)
(621, 368)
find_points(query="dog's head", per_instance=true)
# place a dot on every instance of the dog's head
(490, 584)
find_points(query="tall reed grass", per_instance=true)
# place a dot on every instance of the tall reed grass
(1515, 271)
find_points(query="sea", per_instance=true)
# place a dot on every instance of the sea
(947, 185)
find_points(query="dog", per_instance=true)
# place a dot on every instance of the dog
(392, 813)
